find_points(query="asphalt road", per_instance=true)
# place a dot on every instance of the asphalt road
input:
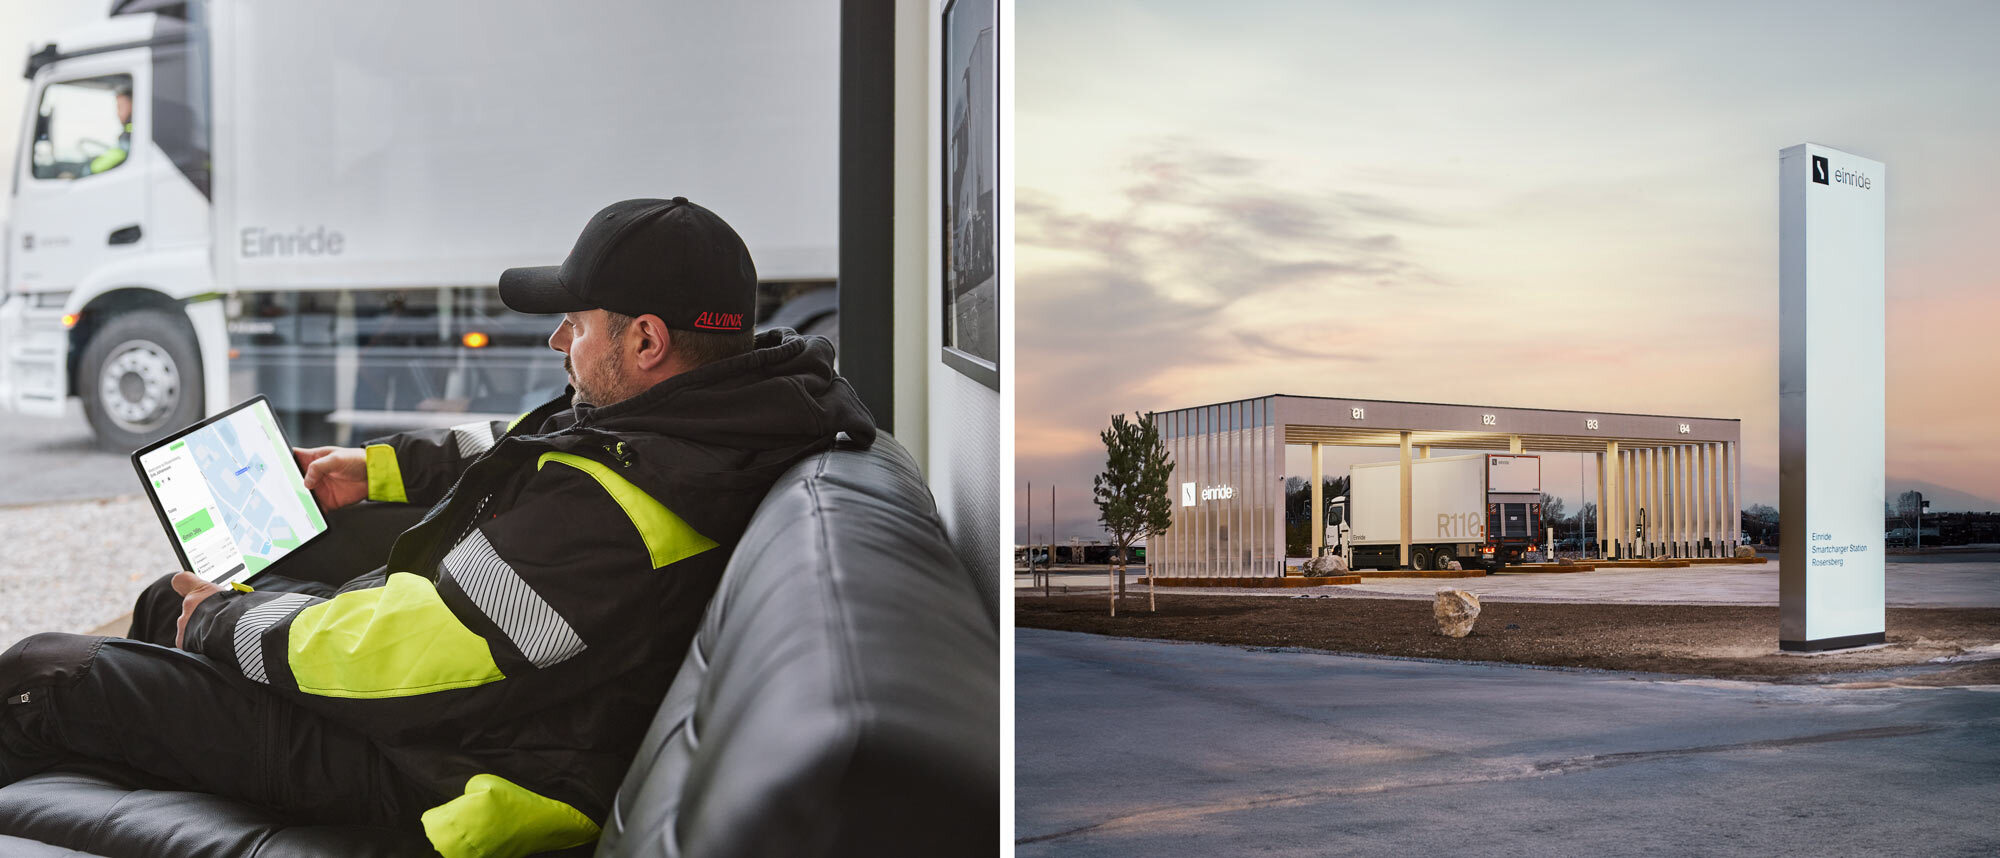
(1148, 748)
(43, 459)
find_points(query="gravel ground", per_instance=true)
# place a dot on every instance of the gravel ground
(1732, 641)
(1962, 579)
(75, 565)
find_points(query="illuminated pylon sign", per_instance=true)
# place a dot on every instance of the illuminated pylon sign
(1830, 398)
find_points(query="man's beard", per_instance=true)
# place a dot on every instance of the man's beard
(600, 388)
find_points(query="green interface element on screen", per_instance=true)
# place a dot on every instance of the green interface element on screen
(234, 496)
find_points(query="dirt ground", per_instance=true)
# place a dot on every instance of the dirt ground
(1734, 642)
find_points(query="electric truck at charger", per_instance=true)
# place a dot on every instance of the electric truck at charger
(314, 200)
(1481, 509)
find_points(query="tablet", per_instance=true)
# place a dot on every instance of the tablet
(230, 493)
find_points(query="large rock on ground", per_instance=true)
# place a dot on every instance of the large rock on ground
(1456, 611)
(1746, 552)
(1319, 567)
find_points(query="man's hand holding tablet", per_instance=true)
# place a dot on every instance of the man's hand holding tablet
(192, 590)
(337, 476)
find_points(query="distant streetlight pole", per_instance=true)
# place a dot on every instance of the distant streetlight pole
(1921, 506)
(1034, 575)
(1048, 563)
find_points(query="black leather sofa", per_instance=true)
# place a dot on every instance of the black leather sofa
(841, 698)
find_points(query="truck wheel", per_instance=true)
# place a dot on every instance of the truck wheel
(1420, 559)
(140, 379)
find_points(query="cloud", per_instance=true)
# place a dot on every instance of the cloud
(1252, 342)
(1386, 211)
(1197, 270)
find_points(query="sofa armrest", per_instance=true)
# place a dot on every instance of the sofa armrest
(842, 694)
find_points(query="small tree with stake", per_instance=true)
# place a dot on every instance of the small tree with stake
(1131, 494)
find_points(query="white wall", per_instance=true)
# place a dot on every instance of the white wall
(912, 264)
(961, 443)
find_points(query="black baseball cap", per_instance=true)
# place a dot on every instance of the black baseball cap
(671, 258)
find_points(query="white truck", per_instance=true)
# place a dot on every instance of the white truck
(315, 200)
(1482, 509)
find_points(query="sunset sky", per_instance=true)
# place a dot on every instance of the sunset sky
(1554, 205)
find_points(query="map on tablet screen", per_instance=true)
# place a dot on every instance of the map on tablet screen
(230, 494)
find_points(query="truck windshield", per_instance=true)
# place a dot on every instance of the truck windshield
(81, 127)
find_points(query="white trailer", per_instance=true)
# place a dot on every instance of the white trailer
(314, 200)
(1477, 509)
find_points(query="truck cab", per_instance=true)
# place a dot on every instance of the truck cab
(1337, 529)
(107, 270)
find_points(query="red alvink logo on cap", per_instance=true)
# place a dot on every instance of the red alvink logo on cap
(720, 321)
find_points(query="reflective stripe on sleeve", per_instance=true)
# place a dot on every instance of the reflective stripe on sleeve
(251, 628)
(535, 628)
(473, 438)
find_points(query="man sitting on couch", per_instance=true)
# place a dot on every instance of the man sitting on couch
(490, 684)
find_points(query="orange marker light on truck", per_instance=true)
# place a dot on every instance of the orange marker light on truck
(475, 340)
(69, 320)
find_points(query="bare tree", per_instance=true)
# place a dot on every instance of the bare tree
(1552, 513)
(1586, 528)
(1908, 504)
(1298, 510)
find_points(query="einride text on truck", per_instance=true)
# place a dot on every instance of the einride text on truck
(314, 200)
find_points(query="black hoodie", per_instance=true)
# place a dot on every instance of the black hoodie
(522, 634)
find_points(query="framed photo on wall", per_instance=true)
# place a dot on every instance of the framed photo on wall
(971, 161)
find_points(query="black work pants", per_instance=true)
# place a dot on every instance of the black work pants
(357, 540)
(165, 718)
(177, 719)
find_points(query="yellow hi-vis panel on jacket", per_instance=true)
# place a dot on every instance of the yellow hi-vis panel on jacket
(495, 817)
(397, 640)
(668, 538)
(385, 476)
